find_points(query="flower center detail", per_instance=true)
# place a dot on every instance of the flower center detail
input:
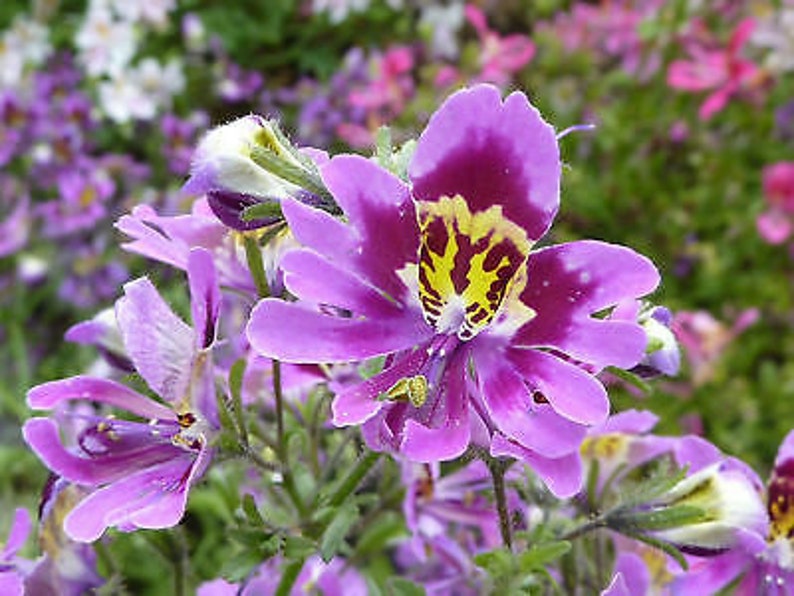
(781, 502)
(467, 263)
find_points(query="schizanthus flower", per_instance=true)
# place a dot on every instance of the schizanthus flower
(481, 335)
(138, 473)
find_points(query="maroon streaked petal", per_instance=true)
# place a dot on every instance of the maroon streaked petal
(48, 395)
(205, 296)
(491, 153)
(563, 476)
(299, 333)
(572, 392)
(568, 283)
(313, 278)
(380, 210)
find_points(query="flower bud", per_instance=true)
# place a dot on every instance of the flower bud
(733, 513)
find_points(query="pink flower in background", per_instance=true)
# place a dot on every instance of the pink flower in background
(775, 223)
(705, 339)
(501, 57)
(722, 70)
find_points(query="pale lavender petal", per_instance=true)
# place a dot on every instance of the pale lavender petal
(205, 296)
(326, 234)
(631, 421)
(48, 395)
(490, 152)
(42, 436)
(636, 577)
(312, 278)
(121, 502)
(11, 583)
(298, 333)
(160, 344)
(572, 392)
(563, 476)
(380, 210)
(18, 534)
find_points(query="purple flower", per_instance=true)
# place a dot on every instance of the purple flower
(12, 569)
(139, 473)
(438, 277)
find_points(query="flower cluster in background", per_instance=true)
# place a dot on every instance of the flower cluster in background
(281, 282)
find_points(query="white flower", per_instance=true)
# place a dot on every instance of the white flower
(141, 92)
(223, 160)
(443, 24)
(153, 12)
(776, 33)
(26, 42)
(733, 508)
(106, 45)
(338, 10)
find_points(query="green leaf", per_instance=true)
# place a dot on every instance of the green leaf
(666, 547)
(387, 527)
(251, 511)
(630, 378)
(236, 374)
(538, 557)
(334, 535)
(399, 586)
(670, 517)
(267, 209)
(298, 547)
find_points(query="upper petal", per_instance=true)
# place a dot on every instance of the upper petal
(205, 296)
(491, 153)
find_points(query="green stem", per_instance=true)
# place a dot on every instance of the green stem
(498, 467)
(354, 477)
(253, 255)
(288, 577)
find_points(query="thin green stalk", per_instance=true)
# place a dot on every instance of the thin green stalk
(498, 468)
(288, 577)
(354, 477)
(253, 256)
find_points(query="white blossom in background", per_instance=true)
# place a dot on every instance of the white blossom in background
(141, 92)
(106, 43)
(338, 10)
(150, 12)
(25, 43)
(443, 24)
(775, 33)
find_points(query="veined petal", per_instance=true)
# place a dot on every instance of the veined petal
(312, 278)
(567, 283)
(120, 503)
(160, 344)
(563, 476)
(298, 333)
(48, 395)
(491, 153)
(379, 207)
(572, 392)
(42, 435)
(205, 296)
(535, 426)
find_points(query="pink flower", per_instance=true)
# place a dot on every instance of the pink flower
(775, 223)
(721, 70)
(501, 57)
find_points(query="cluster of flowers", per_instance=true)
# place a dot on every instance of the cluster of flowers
(410, 286)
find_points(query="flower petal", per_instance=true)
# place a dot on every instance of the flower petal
(298, 333)
(563, 476)
(572, 392)
(160, 344)
(569, 282)
(48, 395)
(205, 296)
(490, 153)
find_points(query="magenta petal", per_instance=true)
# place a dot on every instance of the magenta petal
(567, 283)
(563, 476)
(534, 426)
(18, 534)
(490, 152)
(572, 392)
(48, 395)
(122, 502)
(312, 278)
(205, 296)
(11, 583)
(160, 344)
(324, 233)
(380, 209)
(424, 444)
(298, 333)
